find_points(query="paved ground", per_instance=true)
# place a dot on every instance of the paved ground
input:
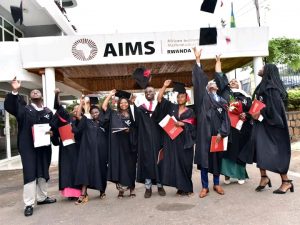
(240, 205)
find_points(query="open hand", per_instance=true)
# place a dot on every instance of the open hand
(167, 83)
(218, 66)
(15, 84)
(197, 52)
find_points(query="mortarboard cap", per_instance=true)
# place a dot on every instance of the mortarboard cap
(94, 100)
(17, 13)
(179, 87)
(208, 36)
(123, 94)
(142, 76)
(209, 6)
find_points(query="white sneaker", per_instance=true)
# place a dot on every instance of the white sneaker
(227, 181)
(241, 181)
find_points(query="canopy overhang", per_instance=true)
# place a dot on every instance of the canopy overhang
(104, 62)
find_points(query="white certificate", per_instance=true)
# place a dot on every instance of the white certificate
(40, 138)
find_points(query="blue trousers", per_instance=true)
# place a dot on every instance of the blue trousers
(204, 178)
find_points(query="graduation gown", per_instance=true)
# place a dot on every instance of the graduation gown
(212, 118)
(148, 145)
(122, 154)
(177, 166)
(270, 145)
(35, 161)
(239, 138)
(92, 158)
(68, 155)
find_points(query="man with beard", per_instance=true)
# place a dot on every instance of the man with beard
(35, 160)
(149, 144)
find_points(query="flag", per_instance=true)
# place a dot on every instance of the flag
(232, 20)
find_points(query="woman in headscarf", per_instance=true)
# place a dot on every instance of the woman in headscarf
(270, 138)
(240, 103)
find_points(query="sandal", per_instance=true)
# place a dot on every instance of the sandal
(280, 191)
(82, 200)
(261, 187)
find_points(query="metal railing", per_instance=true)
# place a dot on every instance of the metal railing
(290, 78)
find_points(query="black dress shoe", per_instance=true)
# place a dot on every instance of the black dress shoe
(47, 201)
(148, 193)
(28, 211)
(161, 191)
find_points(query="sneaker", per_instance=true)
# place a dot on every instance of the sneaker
(241, 181)
(227, 180)
(148, 193)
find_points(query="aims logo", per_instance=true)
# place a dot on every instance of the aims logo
(84, 49)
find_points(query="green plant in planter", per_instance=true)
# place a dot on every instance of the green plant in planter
(294, 99)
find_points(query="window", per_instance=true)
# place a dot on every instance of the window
(9, 32)
(8, 26)
(8, 36)
(18, 33)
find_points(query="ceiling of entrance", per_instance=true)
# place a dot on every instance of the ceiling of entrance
(91, 79)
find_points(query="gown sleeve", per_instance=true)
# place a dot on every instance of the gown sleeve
(200, 81)
(222, 84)
(225, 126)
(274, 111)
(15, 105)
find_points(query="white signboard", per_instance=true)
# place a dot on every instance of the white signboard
(144, 47)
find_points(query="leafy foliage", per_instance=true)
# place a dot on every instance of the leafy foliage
(294, 99)
(285, 51)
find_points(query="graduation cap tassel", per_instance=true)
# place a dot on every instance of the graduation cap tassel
(17, 13)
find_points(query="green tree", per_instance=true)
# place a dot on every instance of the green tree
(285, 51)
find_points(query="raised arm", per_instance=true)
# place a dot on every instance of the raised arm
(14, 103)
(79, 110)
(56, 98)
(106, 101)
(199, 79)
(162, 90)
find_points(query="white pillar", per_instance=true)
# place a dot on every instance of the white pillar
(7, 135)
(49, 95)
(44, 89)
(49, 87)
(257, 65)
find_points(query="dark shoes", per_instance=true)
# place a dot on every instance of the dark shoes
(161, 191)
(283, 191)
(148, 193)
(48, 200)
(28, 211)
(261, 187)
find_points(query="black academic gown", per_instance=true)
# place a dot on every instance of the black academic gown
(68, 155)
(212, 118)
(92, 158)
(239, 138)
(177, 163)
(149, 135)
(270, 145)
(122, 154)
(35, 161)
